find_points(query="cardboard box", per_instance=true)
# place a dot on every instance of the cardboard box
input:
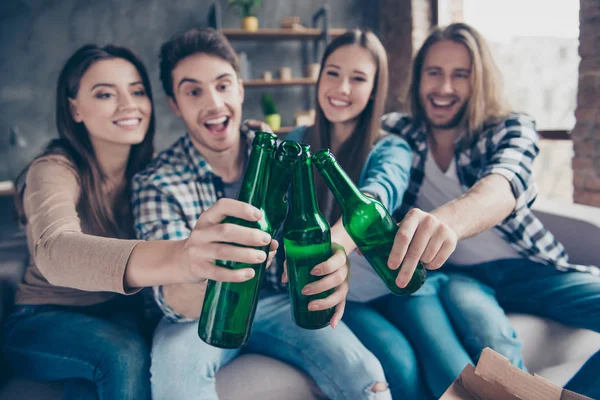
(495, 378)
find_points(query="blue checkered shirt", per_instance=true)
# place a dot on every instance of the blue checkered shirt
(507, 148)
(169, 196)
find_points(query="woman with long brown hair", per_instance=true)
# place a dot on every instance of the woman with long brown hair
(72, 320)
(351, 94)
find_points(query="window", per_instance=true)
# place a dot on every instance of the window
(535, 45)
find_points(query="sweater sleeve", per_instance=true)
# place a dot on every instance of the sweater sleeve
(62, 252)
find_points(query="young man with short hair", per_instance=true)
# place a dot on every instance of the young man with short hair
(196, 180)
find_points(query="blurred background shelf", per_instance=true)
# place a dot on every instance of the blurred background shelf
(282, 34)
(278, 82)
(314, 35)
(284, 129)
(7, 188)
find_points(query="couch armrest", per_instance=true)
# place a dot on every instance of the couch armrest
(576, 226)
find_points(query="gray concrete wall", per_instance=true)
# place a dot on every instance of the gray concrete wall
(37, 36)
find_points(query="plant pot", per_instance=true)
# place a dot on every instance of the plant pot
(274, 121)
(250, 24)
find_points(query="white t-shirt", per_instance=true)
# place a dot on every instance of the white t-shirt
(439, 188)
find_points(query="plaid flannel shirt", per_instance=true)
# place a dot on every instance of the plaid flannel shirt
(169, 196)
(507, 148)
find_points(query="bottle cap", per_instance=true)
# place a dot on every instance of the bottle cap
(288, 152)
(265, 139)
(323, 158)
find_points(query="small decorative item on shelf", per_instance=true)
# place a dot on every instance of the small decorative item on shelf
(285, 73)
(267, 76)
(270, 110)
(244, 66)
(247, 10)
(312, 71)
(290, 23)
(305, 118)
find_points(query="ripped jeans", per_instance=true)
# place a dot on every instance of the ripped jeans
(184, 367)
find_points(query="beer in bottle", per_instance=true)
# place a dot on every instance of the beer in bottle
(367, 222)
(307, 243)
(229, 307)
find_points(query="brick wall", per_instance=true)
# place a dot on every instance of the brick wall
(403, 26)
(421, 15)
(586, 134)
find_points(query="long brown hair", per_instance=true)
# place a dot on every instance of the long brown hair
(487, 103)
(353, 154)
(101, 217)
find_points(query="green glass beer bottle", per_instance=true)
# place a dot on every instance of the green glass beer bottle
(307, 242)
(282, 168)
(229, 307)
(367, 222)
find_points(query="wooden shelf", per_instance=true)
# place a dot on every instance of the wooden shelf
(278, 82)
(280, 34)
(284, 129)
(7, 188)
(555, 135)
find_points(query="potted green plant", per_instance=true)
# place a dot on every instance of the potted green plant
(247, 10)
(270, 111)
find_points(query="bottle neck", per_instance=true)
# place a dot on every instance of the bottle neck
(304, 199)
(342, 187)
(281, 175)
(254, 185)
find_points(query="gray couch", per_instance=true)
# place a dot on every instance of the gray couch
(550, 349)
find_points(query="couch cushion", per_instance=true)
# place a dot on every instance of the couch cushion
(552, 350)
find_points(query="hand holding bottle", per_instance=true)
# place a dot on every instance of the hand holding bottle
(369, 224)
(421, 237)
(229, 307)
(335, 273)
(211, 240)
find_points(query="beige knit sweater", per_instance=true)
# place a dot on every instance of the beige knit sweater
(68, 266)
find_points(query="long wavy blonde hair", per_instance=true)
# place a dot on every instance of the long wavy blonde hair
(487, 103)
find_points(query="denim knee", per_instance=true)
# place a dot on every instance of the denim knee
(178, 353)
(130, 357)
(366, 379)
(125, 368)
(504, 340)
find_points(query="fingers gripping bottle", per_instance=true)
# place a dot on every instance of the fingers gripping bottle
(229, 307)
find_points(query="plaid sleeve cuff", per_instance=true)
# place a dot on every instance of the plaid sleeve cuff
(524, 194)
(513, 158)
(167, 311)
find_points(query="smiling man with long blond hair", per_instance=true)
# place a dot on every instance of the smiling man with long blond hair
(467, 207)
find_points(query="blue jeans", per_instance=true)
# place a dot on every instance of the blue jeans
(99, 350)
(391, 348)
(429, 327)
(184, 367)
(520, 285)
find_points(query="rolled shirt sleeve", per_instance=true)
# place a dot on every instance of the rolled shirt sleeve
(516, 146)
